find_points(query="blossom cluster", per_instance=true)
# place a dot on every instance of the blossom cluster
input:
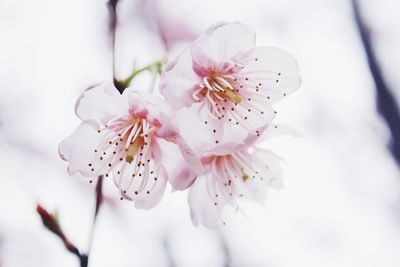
(215, 101)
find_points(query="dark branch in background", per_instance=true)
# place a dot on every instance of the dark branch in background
(112, 9)
(167, 248)
(225, 250)
(99, 202)
(99, 195)
(386, 103)
(50, 221)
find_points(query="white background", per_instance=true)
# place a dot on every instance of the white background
(341, 202)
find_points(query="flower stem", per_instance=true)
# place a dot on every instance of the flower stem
(155, 67)
(99, 202)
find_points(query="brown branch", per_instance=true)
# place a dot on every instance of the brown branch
(51, 223)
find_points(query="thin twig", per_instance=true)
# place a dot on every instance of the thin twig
(99, 202)
(50, 221)
(385, 100)
(225, 250)
(112, 8)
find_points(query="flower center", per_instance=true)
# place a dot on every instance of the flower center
(236, 96)
(124, 141)
(217, 89)
(229, 176)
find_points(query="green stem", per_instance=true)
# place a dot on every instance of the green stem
(153, 67)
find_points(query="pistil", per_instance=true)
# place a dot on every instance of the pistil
(232, 96)
(133, 150)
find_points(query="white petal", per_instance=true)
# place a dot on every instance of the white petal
(78, 149)
(202, 207)
(275, 69)
(181, 174)
(222, 43)
(178, 81)
(197, 128)
(101, 103)
(145, 185)
(270, 167)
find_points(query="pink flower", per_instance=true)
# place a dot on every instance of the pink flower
(122, 136)
(223, 86)
(241, 172)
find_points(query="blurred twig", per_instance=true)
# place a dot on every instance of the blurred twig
(112, 8)
(99, 202)
(50, 221)
(167, 248)
(225, 250)
(385, 100)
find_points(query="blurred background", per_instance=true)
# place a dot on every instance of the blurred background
(340, 205)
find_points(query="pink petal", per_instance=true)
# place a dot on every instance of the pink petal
(78, 149)
(100, 103)
(181, 174)
(221, 43)
(178, 81)
(155, 110)
(199, 130)
(275, 69)
(144, 184)
(230, 147)
(270, 165)
(202, 207)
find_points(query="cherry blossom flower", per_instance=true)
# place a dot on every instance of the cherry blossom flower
(121, 136)
(240, 172)
(223, 86)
